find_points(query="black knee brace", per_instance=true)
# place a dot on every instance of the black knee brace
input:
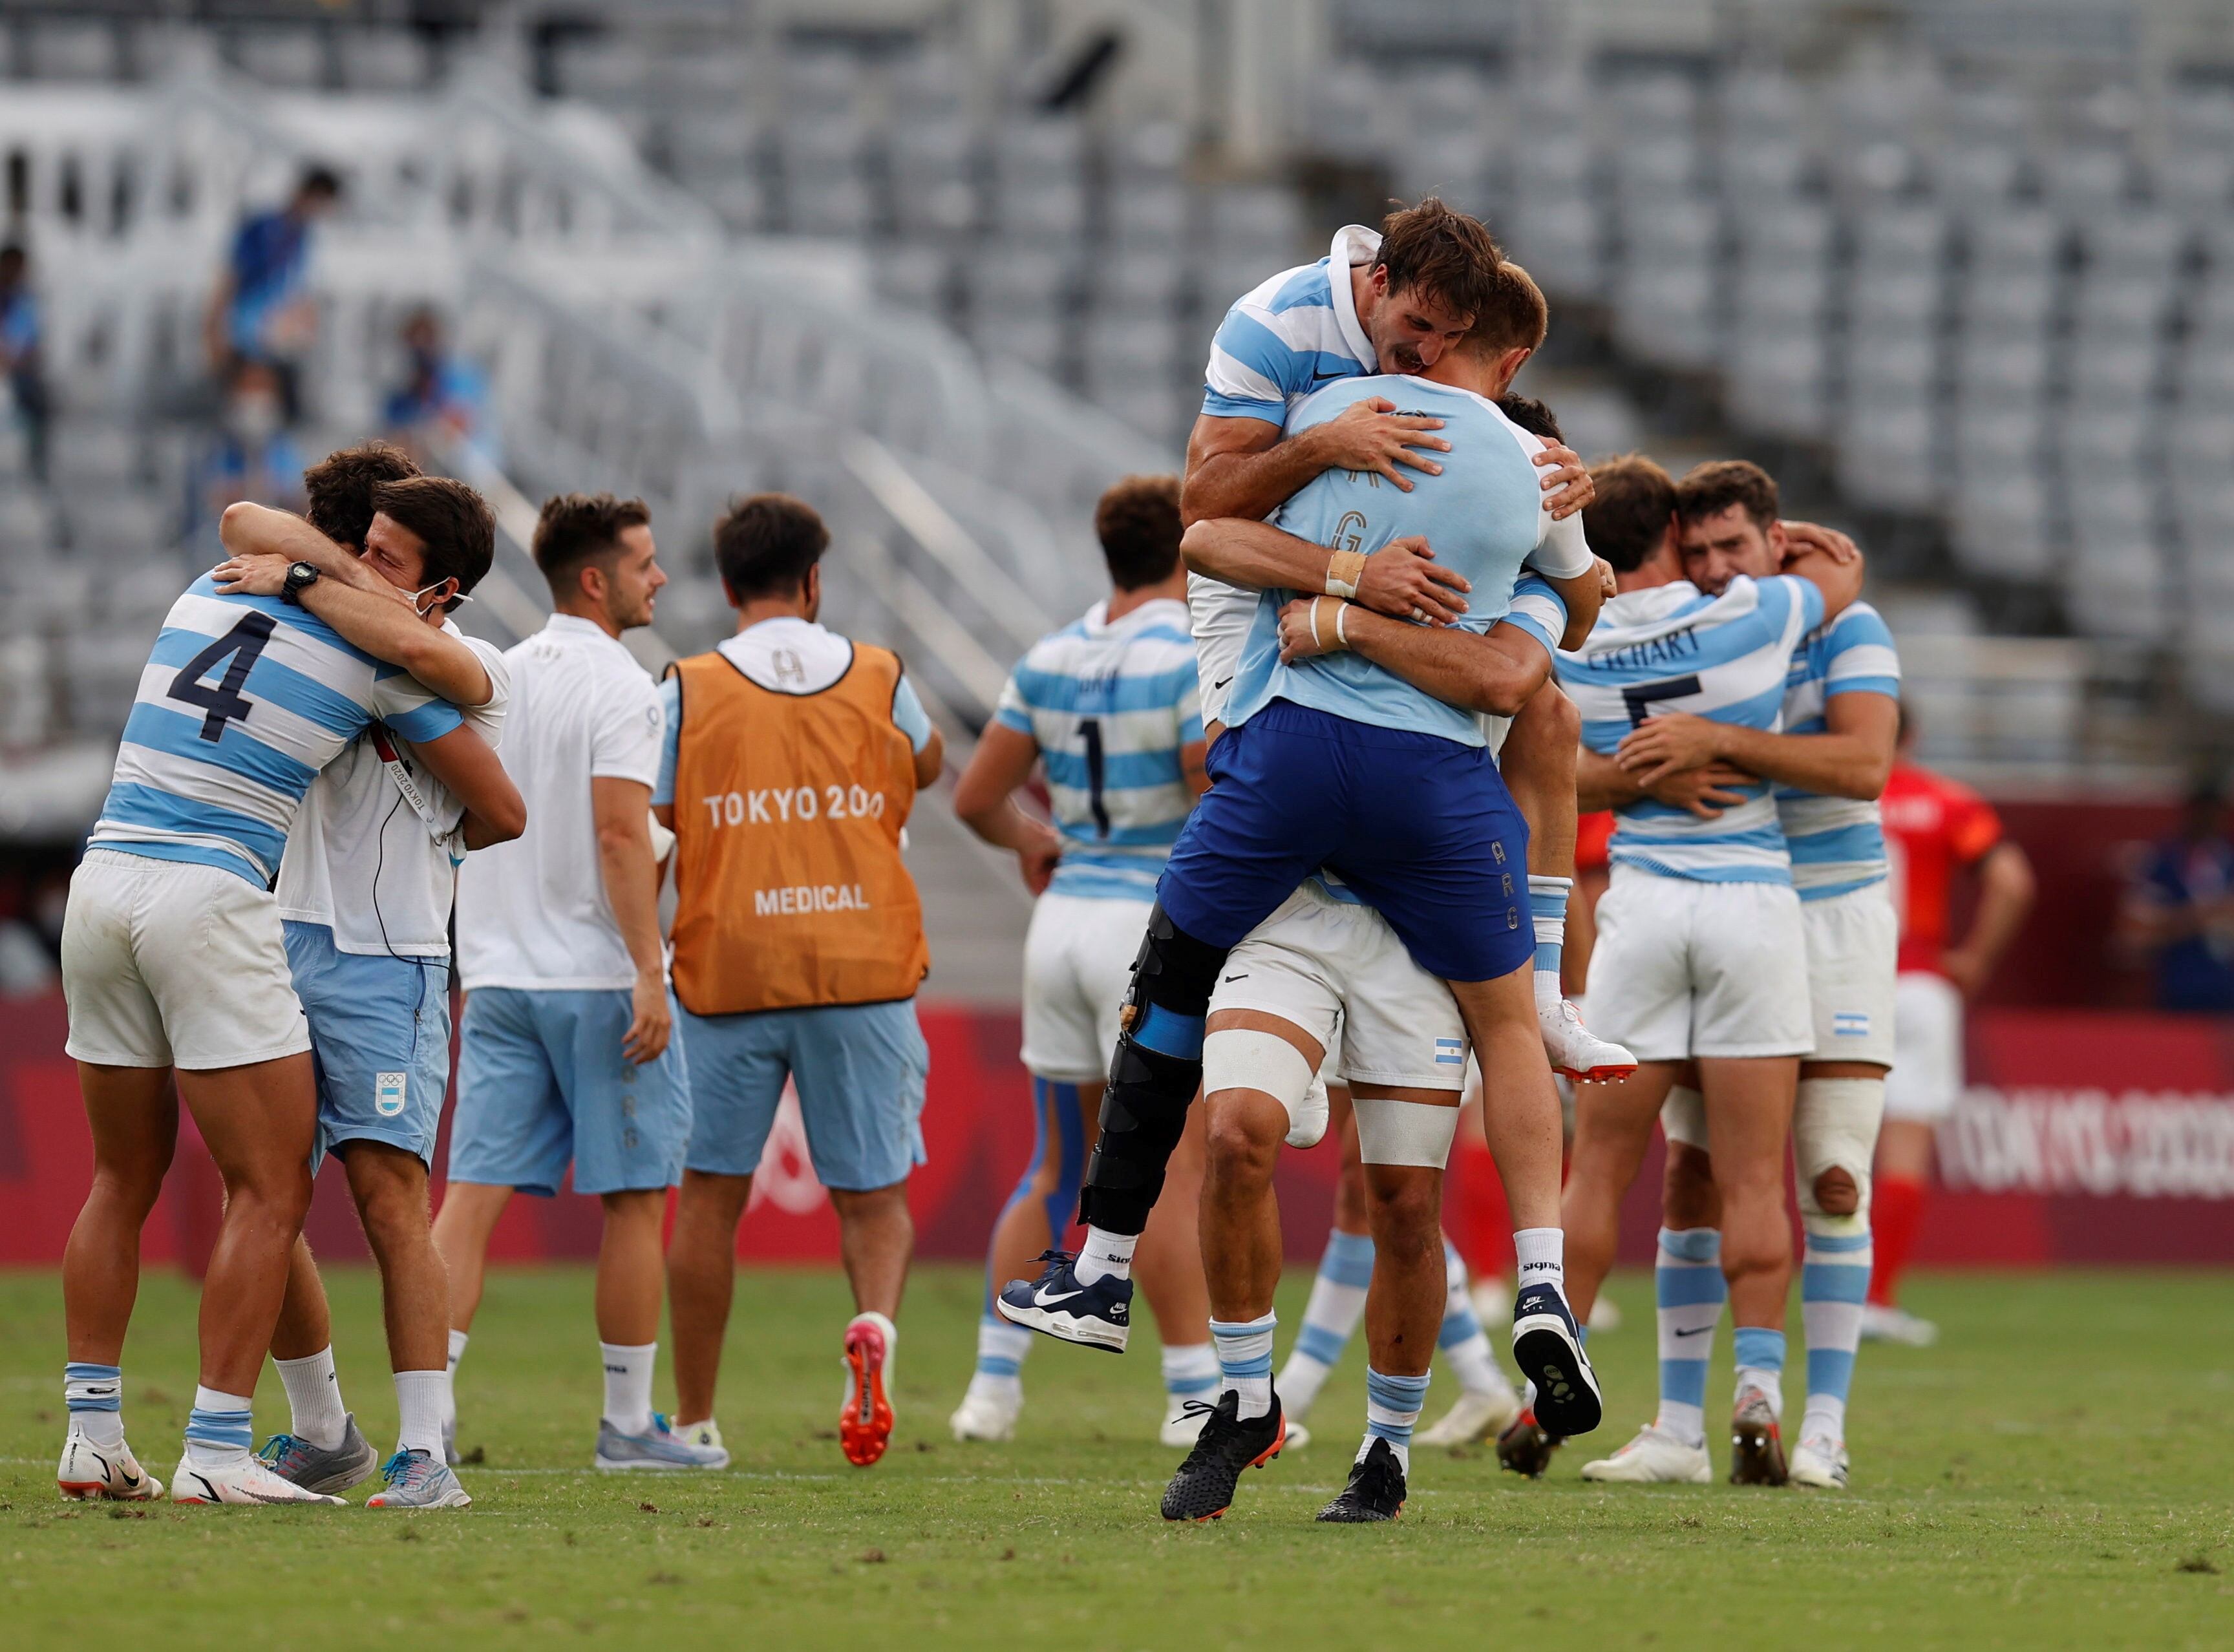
(1154, 1075)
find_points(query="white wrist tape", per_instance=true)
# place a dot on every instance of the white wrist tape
(1344, 570)
(1243, 1058)
(1390, 1131)
(1341, 621)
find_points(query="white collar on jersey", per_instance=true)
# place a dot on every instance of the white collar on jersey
(1644, 616)
(1353, 244)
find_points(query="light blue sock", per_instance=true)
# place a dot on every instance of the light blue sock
(1760, 1364)
(1393, 1405)
(218, 1428)
(1245, 1360)
(1547, 903)
(1001, 1348)
(1834, 1283)
(1688, 1292)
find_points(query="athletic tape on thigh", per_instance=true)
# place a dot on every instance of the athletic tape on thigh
(1683, 1118)
(1390, 1131)
(1238, 1058)
(1834, 1125)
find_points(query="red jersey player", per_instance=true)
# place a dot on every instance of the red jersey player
(1934, 827)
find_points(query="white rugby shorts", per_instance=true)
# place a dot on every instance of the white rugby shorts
(1338, 971)
(1927, 1077)
(1853, 941)
(169, 963)
(1683, 968)
(1078, 963)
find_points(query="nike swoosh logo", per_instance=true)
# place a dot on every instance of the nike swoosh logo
(1696, 1330)
(1243, 976)
(1041, 1299)
(1337, 374)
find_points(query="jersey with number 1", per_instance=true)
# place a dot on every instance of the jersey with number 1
(1109, 704)
(1727, 658)
(244, 700)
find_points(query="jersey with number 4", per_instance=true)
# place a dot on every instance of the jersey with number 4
(1727, 658)
(1109, 705)
(244, 700)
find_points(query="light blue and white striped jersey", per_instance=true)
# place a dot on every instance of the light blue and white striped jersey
(1837, 843)
(1287, 337)
(242, 701)
(1110, 704)
(1727, 658)
(1484, 517)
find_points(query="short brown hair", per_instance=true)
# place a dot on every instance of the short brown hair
(1515, 316)
(1712, 487)
(339, 488)
(1532, 416)
(454, 522)
(1449, 257)
(1138, 523)
(766, 544)
(1628, 520)
(574, 528)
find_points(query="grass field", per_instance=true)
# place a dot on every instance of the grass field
(2059, 1473)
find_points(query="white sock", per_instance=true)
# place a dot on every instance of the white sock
(314, 1398)
(1245, 1360)
(458, 1339)
(219, 1432)
(95, 1396)
(1771, 1383)
(1392, 1411)
(1461, 1337)
(628, 1385)
(419, 1404)
(1191, 1371)
(1540, 1256)
(1001, 1350)
(1106, 1255)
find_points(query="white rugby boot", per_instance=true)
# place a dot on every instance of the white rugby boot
(1480, 1415)
(1654, 1458)
(1819, 1461)
(247, 1480)
(88, 1472)
(986, 1415)
(1881, 1324)
(1577, 1053)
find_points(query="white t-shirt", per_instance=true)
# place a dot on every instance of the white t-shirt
(532, 912)
(362, 861)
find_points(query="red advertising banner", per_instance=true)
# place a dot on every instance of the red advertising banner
(2086, 1137)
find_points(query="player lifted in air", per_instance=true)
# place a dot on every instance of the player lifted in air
(1108, 706)
(1336, 763)
(1701, 953)
(173, 961)
(1830, 761)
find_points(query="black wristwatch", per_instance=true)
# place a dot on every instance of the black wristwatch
(301, 576)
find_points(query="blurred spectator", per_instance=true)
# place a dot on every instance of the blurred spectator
(444, 400)
(2179, 911)
(260, 311)
(19, 353)
(254, 457)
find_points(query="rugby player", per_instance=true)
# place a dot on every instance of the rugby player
(174, 963)
(792, 759)
(1934, 827)
(1326, 961)
(1700, 955)
(1411, 815)
(1830, 762)
(1109, 705)
(565, 1057)
(364, 893)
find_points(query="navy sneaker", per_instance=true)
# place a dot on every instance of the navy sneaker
(1202, 1488)
(1550, 1354)
(1375, 1490)
(1095, 1315)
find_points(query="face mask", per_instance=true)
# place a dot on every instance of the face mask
(420, 603)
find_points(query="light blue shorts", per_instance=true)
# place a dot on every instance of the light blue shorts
(860, 1070)
(541, 1083)
(380, 1037)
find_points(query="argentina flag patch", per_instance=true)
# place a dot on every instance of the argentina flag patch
(1450, 1052)
(1849, 1024)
